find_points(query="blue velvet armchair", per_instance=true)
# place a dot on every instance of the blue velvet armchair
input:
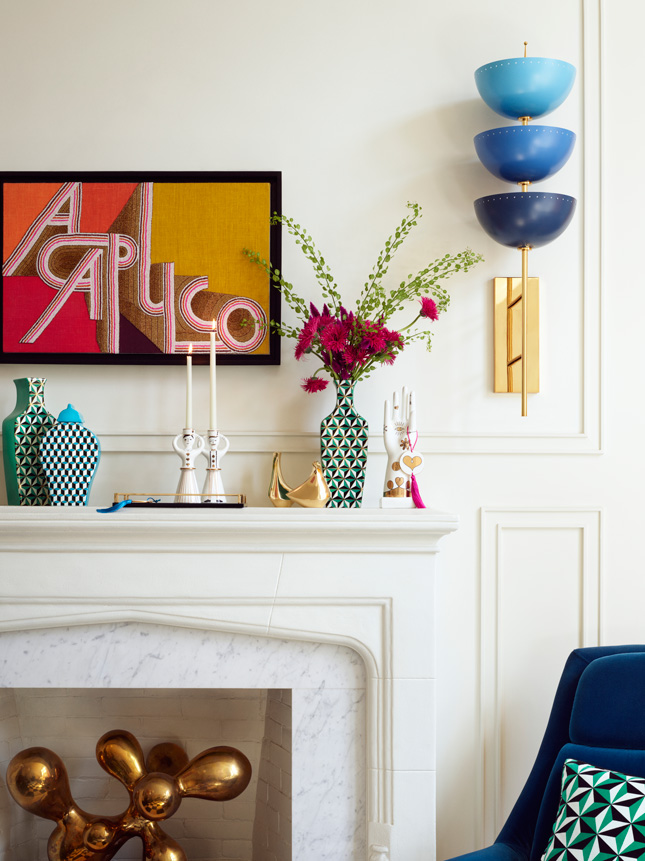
(598, 716)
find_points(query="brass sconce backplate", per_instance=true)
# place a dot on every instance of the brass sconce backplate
(508, 335)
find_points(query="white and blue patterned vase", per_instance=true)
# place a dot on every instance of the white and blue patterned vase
(70, 455)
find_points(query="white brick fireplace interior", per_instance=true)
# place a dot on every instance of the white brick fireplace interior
(206, 632)
(70, 720)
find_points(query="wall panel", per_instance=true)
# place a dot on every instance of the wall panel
(540, 578)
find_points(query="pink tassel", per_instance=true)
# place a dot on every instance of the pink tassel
(416, 496)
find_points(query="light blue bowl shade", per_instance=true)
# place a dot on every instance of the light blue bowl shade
(524, 153)
(525, 86)
(525, 218)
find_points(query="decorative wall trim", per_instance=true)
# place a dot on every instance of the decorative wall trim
(588, 439)
(496, 523)
(308, 442)
(589, 389)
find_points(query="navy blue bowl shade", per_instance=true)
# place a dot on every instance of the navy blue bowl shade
(524, 153)
(525, 86)
(525, 218)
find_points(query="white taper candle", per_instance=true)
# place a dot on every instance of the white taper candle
(189, 388)
(213, 380)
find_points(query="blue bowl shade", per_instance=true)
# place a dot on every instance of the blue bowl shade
(525, 86)
(524, 153)
(525, 218)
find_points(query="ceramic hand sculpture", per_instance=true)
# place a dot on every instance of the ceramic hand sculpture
(37, 781)
(187, 490)
(403, 463)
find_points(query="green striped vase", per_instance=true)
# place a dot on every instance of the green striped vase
(343, 449)
(22, 432)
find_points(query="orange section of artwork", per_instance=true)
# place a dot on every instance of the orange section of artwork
(23, 201)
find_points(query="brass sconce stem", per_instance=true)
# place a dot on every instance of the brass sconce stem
(525, 305)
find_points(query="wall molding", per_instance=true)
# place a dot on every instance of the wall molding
(496, 522)
(589, 439)
(308, 442)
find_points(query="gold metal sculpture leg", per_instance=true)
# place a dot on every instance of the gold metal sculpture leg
(166, 757)
(37, 781)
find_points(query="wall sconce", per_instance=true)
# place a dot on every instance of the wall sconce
(522, 88)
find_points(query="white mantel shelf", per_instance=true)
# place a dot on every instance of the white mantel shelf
(259, 530)
(360, 578)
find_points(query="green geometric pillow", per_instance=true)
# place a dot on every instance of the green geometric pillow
(601, 816)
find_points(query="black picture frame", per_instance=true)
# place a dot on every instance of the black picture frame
(271, 344)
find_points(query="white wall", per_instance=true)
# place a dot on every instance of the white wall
(364, 105)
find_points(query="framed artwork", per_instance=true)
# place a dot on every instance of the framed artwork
(138, 268)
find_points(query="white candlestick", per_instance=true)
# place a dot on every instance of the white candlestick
(213, 369)
(189, 389)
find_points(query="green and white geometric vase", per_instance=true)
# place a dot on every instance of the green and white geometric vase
(22, 433)
(343, 449)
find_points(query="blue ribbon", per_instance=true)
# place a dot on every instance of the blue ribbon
(116, 507)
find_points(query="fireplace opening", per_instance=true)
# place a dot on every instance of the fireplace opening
(254, 826)
(329, 700)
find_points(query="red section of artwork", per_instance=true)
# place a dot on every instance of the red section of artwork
(102, 202)
(71, 330)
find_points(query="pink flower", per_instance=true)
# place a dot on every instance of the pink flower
(314, 384)
(393, 339)
(374, 339)
(354, 357)
(334, 336)
(305, 338)
(429, 308)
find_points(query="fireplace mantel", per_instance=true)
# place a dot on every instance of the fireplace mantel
(357, 577)
(292, 530)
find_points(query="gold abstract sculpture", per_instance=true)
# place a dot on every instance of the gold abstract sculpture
(37, 781)
(312, 493)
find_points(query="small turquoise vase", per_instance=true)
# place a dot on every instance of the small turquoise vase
(22, 432)
(343, 449)
(70, 454)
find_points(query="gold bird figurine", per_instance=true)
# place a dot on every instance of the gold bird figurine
(312, 493)
(278, 488)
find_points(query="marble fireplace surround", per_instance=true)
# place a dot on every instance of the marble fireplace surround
(363, 579)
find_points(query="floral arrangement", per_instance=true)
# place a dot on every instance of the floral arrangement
(350, 344)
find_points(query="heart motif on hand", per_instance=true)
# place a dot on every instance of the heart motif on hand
(399, 482)
(412, 462)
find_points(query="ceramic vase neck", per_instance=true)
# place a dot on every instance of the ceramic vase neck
(30, 390)
(345, 391)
